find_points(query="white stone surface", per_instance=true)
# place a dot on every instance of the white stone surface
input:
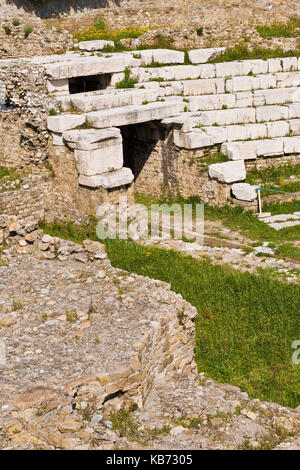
(244, 191)
(58, 87)
(231, 69)
(85, 66)
(95, 101)
(97, 45)
(192, 140)
(64, 122)
(200, 56)
(281, 225)
(205, 86)
(294, 126)
(291, 144)
(108, 180)
(57, 139)
(240, 150)
(294, 110)
(209, 102)
(277, 129)
(271, 113)
(162, 56)
(89, 139)
(281, 218)
(227, 116)
(132, 114)
(287, 79)
(289, 64)
(228, 172)
(107, 157)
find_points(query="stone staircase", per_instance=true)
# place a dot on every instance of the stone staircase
(250, 108)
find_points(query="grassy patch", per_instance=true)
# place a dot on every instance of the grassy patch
(275, 178)
(70, 231)
(128, 81)
(280, 30)
(237, 219)
(242, 52)
(246, 323)
(10, 179)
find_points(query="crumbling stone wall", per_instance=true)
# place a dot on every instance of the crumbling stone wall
(23, 127)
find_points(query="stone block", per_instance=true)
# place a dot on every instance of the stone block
(132, 114)
(97, 45)
(58, 87)
(200, 56)
(204, 86)
(108, 180)
(228, 172)
(192, 140)
(208, 102)
(227, 116)
(294, 111)
(291, 145)
(244, 191)
(65, 122)
(277, 128)
(271, 113)
(294, 126)
(287, 79)
(274, 65)
(289, 64)
(90, 139)
(240, 150)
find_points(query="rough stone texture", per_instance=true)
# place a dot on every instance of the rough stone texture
(143, 357)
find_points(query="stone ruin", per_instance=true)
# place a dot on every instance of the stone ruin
(120, 137)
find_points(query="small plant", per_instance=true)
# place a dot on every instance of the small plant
(52, 112)
(7, 30)
(16, 22)
(100, 24)
(16, 305)
(199, 31)
(224, 106)
(72, 316)
(128, 81)
(28, 28)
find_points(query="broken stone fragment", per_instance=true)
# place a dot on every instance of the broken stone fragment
(228, 172)
(244, 191)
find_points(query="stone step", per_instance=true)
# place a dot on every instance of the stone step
(96, 101)
(248, 74)
(259, 114)
(110, 180)
(162, 56)
(132, 114)
(206, 86)
(266, 130)
(249, 150)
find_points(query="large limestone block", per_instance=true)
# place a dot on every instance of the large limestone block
(240, 150)
(274, 65)
(291, 144)
(208, 102)
(58, 87)
(200, 56)
(87, 102)
(205, 86)
(249, 83)
(162, 56)
(287, 79)
(269, 147)
(64, 122)
(228, 172)
(107, 157)
(225, 117)
(278, 96)
(109, 180)
(244, 191)
(294, 126)
(231, 69)
(192, 140)
(218, 134)
(271, 113)
(243, 99)
(133, 114)
(85, 66)
(97, 45)
(289, 64)
(90, 139)
(277, 129)
(294, 110)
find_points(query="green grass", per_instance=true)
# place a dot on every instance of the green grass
(128, 81)
(237, 219)
(246, 323)
(280, 30)
(275, 178)
(242, 52)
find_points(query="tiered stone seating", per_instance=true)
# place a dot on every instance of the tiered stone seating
(251, 108)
